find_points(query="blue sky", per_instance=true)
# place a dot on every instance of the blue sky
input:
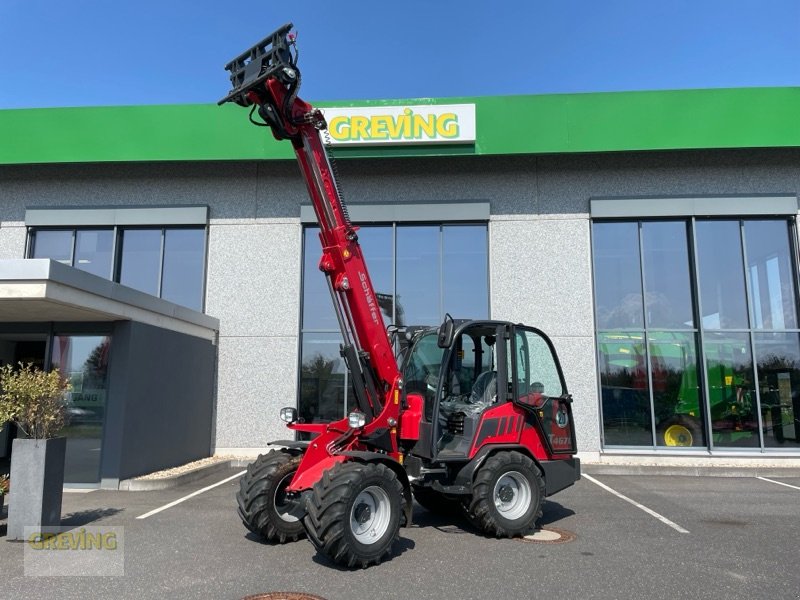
(106, 52)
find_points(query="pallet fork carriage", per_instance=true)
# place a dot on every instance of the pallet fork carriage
(472, 416)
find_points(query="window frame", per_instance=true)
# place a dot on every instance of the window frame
(791, 221)
(311, 226)
(117, 249)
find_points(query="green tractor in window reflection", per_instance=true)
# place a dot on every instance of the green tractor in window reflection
(673, 381)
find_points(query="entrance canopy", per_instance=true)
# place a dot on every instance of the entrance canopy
(42, 290)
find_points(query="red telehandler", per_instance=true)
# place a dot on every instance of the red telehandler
(472, 416)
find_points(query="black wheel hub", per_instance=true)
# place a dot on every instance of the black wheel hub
(363, 513)
(506, 494)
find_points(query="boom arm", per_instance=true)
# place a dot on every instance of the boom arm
(267, 79)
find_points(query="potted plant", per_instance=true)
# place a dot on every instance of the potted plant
(35, 401)
(3, 491)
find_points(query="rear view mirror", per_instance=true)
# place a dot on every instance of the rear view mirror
(446, 329)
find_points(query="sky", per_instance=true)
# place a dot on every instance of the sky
(122, 52)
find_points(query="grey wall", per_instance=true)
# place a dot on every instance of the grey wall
(160, 402)
(539, 245)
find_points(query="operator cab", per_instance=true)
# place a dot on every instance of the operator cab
(483, 365)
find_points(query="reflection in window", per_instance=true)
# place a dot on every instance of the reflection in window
(184, 261)
(322, 379)
(769, 266)
(165, 262)
(617, 275)
(141, 260)
(93, 251)
(465, 269)
(83, 360)
(731, 390)
(778, 361)
(418, 272)
(722, 291)
(668, 298)
(745, 276)
(625, 393)
(377, 247)
(54, 244)
(677, 400)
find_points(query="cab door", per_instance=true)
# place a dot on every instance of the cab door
(538, 386)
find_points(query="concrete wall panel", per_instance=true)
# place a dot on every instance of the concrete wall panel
(541, 274)
(12, 241)
(254, 278)
(257, 377)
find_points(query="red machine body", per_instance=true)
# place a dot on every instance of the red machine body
(416, 430)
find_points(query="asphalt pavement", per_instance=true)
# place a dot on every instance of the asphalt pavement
(637, 537)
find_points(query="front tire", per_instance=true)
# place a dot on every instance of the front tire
(507, 495)
(261, 501)
(354, 513)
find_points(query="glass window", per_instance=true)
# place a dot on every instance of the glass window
(377, 246)
(677, 398)
(773, 302)
(419, 274)
(93, 251)
(617, 275)
(184, 262)
(54, 244)
(83, 360)
(778, 360)
(699, 378)
(625, 391)
(177, 274)
(731, 389)
(536, 367)
(322, 378)
(668, 290)
(722, 289)
(317, 310)
(465, 269)
(140, 266)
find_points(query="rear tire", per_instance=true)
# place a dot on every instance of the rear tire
(260, 497)
(435, 502)
(354, 513)
(507, 495)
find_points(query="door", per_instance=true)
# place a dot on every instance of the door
(538, 385)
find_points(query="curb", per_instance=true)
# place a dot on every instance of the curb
(150, 485)
(689, 471)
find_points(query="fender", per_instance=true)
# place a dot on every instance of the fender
(376, 457)
(558, 474)
(466, 475)
(294, 446)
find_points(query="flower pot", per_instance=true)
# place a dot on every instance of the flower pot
(37, 470)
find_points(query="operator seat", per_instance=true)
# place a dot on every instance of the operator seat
(484, 390)
(484, 393)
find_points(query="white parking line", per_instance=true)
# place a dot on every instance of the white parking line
(794, 487)
(192, 495)
(649, 511)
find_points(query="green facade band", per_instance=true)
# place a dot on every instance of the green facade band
(560, 123)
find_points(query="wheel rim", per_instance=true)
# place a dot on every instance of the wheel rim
(678, 435)
(370, 515)
(512, 495)
(281, 505)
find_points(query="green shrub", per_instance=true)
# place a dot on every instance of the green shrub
(33, 399)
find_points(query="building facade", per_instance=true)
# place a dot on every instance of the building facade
(653, 236)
